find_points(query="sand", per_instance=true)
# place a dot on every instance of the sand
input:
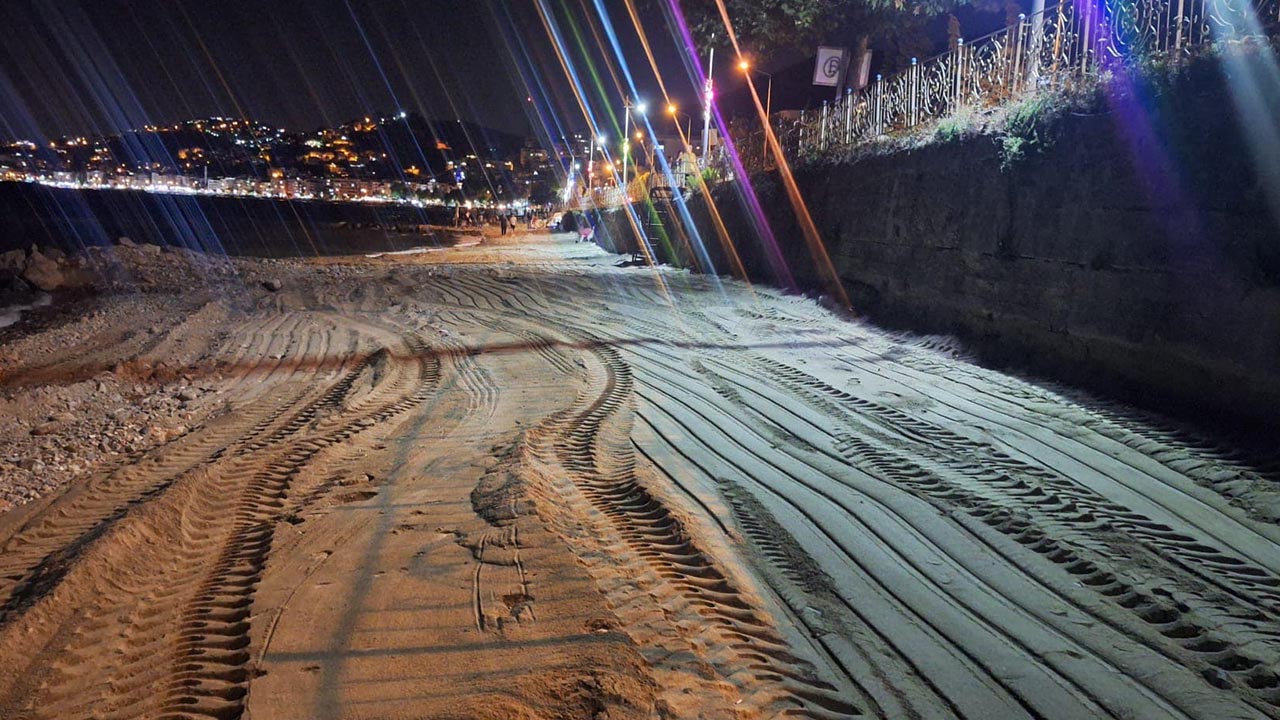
(515, 480)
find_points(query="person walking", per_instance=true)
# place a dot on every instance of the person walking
(502, 223)
(687, 168)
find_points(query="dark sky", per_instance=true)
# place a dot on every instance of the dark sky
(101, 66)
(69, 66)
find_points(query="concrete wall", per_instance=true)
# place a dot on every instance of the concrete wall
(1131, 249)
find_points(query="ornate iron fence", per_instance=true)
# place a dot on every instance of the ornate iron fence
(1062, 45)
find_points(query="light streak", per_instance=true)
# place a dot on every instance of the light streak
(817, 248)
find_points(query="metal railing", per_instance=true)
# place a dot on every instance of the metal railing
(1065, 44)
(637, 189)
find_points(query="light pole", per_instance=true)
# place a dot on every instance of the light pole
(640, 151)
(708, 97)
(626, 134)
(596, 140)
(675, 114)
(745, 67)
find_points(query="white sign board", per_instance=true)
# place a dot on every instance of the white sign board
(863, 73)
(830, 65)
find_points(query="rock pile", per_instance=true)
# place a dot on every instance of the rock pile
(57, 433)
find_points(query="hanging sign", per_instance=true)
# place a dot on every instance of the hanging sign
(830, 65)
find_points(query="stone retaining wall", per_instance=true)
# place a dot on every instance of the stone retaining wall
(1133, 250)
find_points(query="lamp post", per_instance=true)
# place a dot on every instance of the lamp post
(708, 97)
(745, 67)
(675, 114)
(635, 162)
(627, 107)
(572, 168)
(596, 141)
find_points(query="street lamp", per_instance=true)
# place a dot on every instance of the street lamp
(604, 153)
(591, 158)
(675, 114)
(627, 107)
(746, 68)
(639, 136)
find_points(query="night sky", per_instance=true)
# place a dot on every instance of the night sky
(79, 67)
(85, 67)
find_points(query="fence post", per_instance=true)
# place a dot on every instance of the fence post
(848, 115)
(879, 107)
(959, 73)
(800, 136)
(911, 94)
(1083, 12)
(822, 129)
(1017, 55)
(1177, 37)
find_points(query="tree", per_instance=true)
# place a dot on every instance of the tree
(766, 25)
(769, 27)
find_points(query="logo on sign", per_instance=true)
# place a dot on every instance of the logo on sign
(831, 68)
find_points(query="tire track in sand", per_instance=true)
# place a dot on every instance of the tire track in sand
(1018, 502)
(683, 395)
(36, 554)
(202, 669)
(588, 442)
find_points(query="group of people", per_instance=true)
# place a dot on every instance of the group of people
(465, 217)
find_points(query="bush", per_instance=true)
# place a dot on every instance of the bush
(1024, 121)
(962, 124)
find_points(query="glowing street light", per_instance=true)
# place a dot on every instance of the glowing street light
(675, 114)
(746, 68)
(639, 107)
(708, 101)
(596, 141)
